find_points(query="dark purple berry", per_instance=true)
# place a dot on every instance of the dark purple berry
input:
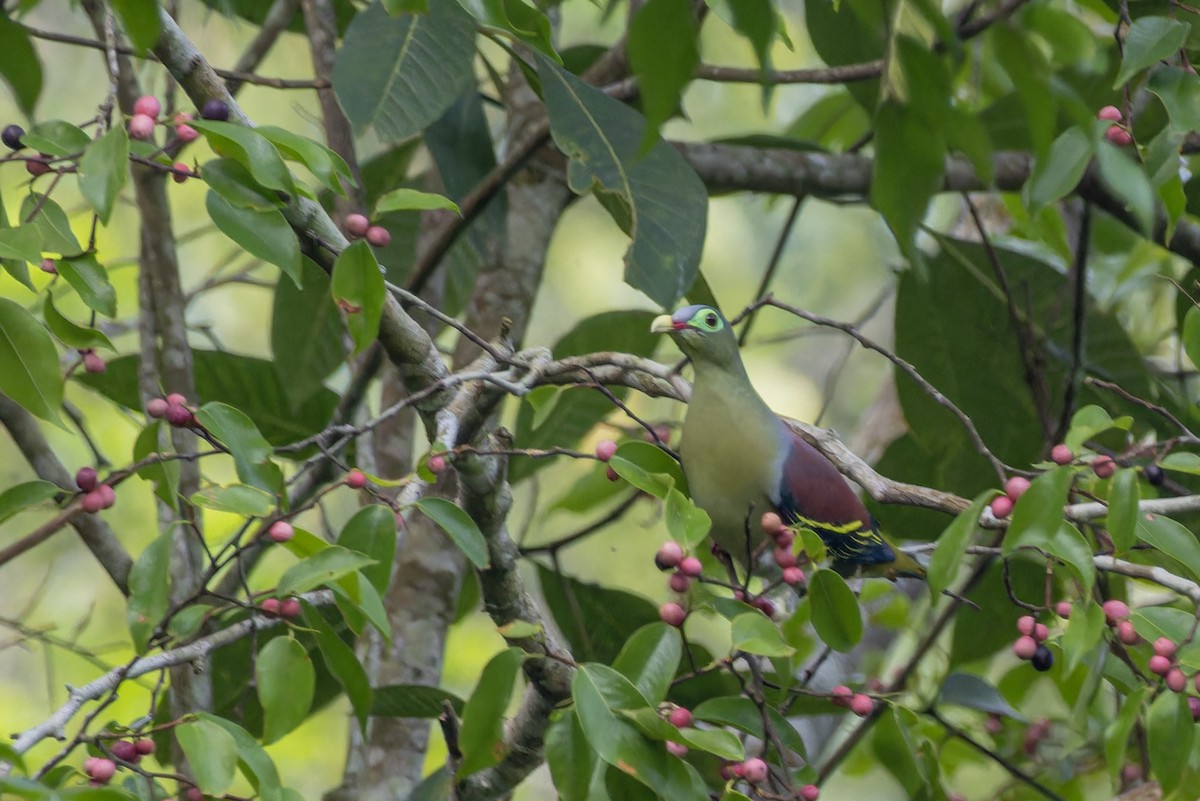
(215, 110)
(1154, 474)
(1043, 659)
(12, 137)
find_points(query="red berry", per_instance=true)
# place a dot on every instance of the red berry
(48, 266)
(658, 434)
(810, 792)
(1061, 454)
(669, 555)
(356, 479)
(793, 576)
(1131, 772)
(841, 695)
(378, 236)
(93, 362)
(147, 105)
(1118, 136)
(771, 523)
(180, 172)
(1104, 466)
(672, 614)
(93, 502)
(1110, 113)
(1015, 487)
(765, 605)
(729, 770)
(1002, 506)
(605, 449)
(690, 566)
(678, 582)
(676, 749)
(181, 117)
(754, 770)
(1063, 609)
(281, 531)
(1040, 632)
(436, 464)
(270, 606)
(194, 794)
(214, 109)
(1176, 681)
(680, 717)
(100, 770)
(107, 494)
(357, 224)
(1026, 624)
(124, 750)
(611, 474)
(1196, 679)
(290, 608)
(784, 538)
(862, 705)
(1126, 633)
(186, 133)
(144, 746)
(1194, 706)
(1115, 611)
(994, 724)
(784, 557)
(141, 126)
(1159, 665)
(177, 399)
(85, 478)
(1025, 647)
(179, 416)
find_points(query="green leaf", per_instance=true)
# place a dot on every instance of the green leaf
(656, 198)
(907, 172)
(104, 167)
(597, 621)
(1090, 421)
(413, 200)
(1149, 39)
(517, 17)
(29, 363)
(73, 336)
(413, 701)
(650, 659)
(1179, 92)
(307, 335)
(459, 526)
(1039, 512)
(321, 568)
(264, 234)
(342, 663)
(285, 681)
(482, 733)
(211, 752)
(975, 692)
(20, 497)
(250, 450)
(372, 531)
(89, 278)
(149, 590)
(358, 288)
(664, 65)
(1170, 730)
(254, 762)
(139, 18)
(1069, 545)
(238, 499)
(1171, 538)
(757, 21)
(894, 750)
(155, 440)
(232, 181)
(721, 743)
(1191, 334)
(13, 260)
(835, 613)
(1123, 498)
(952, 545)
(19, 64)
(574, 766)
(323, 162)
(51, 223)
(1116, 737)
(1056, 175)
(755, 633)
(686, 521)
(1126, 179)
(249, 147)
(398, 74)
(1083, 632)
(1153, 622)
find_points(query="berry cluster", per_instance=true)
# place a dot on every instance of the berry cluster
(785, 557)
(357, 225)
(1117, 133)
(174, 408)
(96, 496)
(1031, 644)
(1014, 488)
(100, 770)
(288, 608)
(860, 704)
(606, 449)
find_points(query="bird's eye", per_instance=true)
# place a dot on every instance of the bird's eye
(710, 319)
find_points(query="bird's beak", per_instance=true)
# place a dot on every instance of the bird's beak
(662, 324)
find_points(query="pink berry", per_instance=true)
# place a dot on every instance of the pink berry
(93, 502)
(810, 792)
(177, 399)
(186, 133)
(1131, 772)
(754, 770)
(1115, 611)
(38, 166)
(676, 749)
(784, 538)
(141, 126)
(690, 566)
(1118, 136)
(784, 557)
(605, 449)
(378, 236)
(765, 605)
(1104, 466)
(1126, 633)
(1063, 609)
(841, 695)
(1159, 665)
(157, 407)
(144, 746)
(102, 770)
(270, 606)
(85, 478)
(107, 494)
(771, 523)
(994, 724)
(1194, 707)
(658, 434)
(48, 266)
(357, 224)
(281, 531)
(1025, 647)
(356, 479)
(1002, 506)
(669, 555)
(180, 172)
(1061, 454)
(1196, 680)
(147, 105)
(1176, 681)
(672, 614)
(1110, 113)
(729, 770)
(1015, 487)
(793, 576)
(179, 416)
(93, 362)
(436, 464)
(124, 750)
(194, 794)
(611, 474)
(678, 582)
(862, 705)
(1040, 632)
(1026, 624)
(290, 608)
(680, 717)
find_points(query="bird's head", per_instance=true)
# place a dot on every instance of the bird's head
(702, 333)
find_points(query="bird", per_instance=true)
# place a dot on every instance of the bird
(741, 460)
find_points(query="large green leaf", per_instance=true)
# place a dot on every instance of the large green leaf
(576, 770)
(835, 612)
(254, 151)
(656, 198)
(19, 497)
(321, 568)
(664, 65)
(952, 545)
(459, 526)
(413, 701)
(29, 363)
(323, 162)
(212, 754)
(51, 222)
(372, 531)
(1057, 175)
(103, 170)
(307, 335)
(1170, 731)
(285, 683)
(597, 621)
(149, 589)
(13, 258)
(398, 74)
(140, 20)
(342, 663)
(253, 761)
(88, 277)
(1150, 39)
(650, 659)
(482, 733)
(358, 288)
(264, 233)
(19, 64)
(1171, 538)
(250, 450)
(72, 335)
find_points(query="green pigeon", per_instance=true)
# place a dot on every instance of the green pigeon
(742, 460)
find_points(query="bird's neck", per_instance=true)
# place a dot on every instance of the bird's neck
(723, 396)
